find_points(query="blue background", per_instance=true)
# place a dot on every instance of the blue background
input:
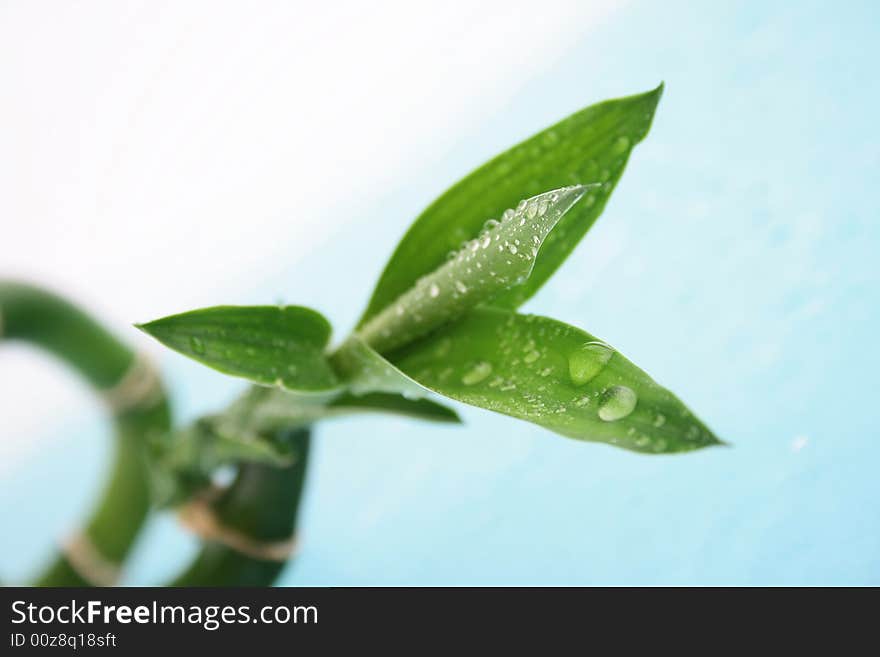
(736, 263)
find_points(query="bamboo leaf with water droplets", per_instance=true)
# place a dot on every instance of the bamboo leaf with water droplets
(500, 257)
(592, 145)
(269, 345)
(554, 375)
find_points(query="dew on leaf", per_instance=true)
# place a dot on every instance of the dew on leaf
(477, 373)
(617, 403)
(585, 363)
(620, 145)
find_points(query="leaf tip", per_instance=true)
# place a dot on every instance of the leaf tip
(144, 327)
(715, 441)
(454, 418)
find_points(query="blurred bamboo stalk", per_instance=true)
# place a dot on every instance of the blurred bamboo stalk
(247, 528)
(134, 395)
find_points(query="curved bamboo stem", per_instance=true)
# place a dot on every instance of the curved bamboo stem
(135, 397)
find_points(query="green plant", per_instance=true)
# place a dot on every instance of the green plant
(442, 321)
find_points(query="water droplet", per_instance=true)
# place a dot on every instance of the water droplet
(532, 210)
(461, 287)
(197, 345)
(434, 291)
(490, 224)
(507, 215)
(660, 420)
(531, 357)
(585, 363)
(486, 242)
(620, 145)
(583, 401)
(521, 206)
(512, 248)
(617, 403)
(477, 373)
(542, 208)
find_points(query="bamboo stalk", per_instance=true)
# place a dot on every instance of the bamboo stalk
(135, 397)
(248, 528)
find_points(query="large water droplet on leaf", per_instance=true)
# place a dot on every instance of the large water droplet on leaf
(617, 403)
(477, 373)
(585, 363)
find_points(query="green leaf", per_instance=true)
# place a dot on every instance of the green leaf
(363, 370)
(270, 345)
(380, 402)
(498, 258)
(267, 410)
(554, 375)
(592, 145)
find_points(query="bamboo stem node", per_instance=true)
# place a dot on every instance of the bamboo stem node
(198, 517)
(138, 388)
(88, 562)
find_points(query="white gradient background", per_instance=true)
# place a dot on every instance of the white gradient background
(156, 157)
